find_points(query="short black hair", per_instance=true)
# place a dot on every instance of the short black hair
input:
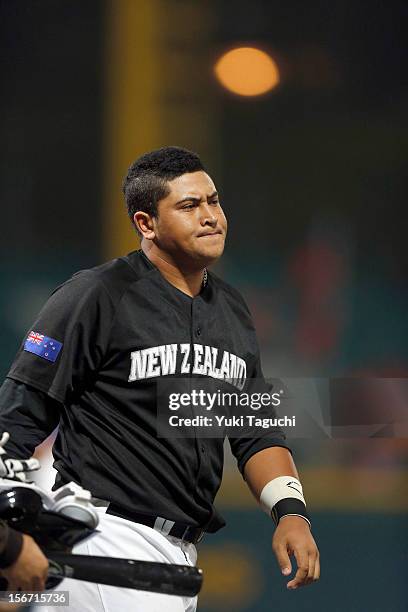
(146, 181)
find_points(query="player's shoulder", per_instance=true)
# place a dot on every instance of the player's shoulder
(230, 293)
(113, 277)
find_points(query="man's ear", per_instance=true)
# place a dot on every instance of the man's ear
(144, 222)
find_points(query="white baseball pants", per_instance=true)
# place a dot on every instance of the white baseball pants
(118, 537)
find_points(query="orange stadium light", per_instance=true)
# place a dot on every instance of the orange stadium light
(247, 71)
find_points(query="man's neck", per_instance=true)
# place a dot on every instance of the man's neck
(189, 282)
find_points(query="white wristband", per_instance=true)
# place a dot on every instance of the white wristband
(280, 488)
(289, 489)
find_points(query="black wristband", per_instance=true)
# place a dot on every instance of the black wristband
(289, 505)
(12, 549)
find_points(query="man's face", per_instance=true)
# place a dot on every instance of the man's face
(191, 223)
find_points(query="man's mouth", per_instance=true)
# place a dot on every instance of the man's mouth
(218, 232)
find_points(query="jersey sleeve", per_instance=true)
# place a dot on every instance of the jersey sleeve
(253, 439)
(66, 344)
(28, 415)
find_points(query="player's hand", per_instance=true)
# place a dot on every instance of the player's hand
(293, 537)
(29, 571)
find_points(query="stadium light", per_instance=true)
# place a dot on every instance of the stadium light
(247, 71)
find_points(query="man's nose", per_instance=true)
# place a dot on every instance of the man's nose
(208, 217)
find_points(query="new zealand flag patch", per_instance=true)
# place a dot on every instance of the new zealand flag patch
(43, 346)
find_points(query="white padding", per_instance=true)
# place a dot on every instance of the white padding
(280, 488)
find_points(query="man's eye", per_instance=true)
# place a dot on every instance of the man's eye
(188, 206)
(215, 202)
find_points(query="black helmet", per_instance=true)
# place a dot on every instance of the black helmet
(20, 507)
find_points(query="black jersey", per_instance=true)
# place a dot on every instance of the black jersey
(99, 346)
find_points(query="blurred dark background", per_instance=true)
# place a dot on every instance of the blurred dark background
(312, 176)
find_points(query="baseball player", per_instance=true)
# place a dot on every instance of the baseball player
(91, 363)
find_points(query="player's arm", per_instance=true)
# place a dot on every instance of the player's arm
(265, 473)
(264, 460)
(22, 562)
(28, 415)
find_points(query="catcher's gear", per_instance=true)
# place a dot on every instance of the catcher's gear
(24, 509)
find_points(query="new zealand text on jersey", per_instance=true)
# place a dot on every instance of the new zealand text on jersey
(162, 360)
